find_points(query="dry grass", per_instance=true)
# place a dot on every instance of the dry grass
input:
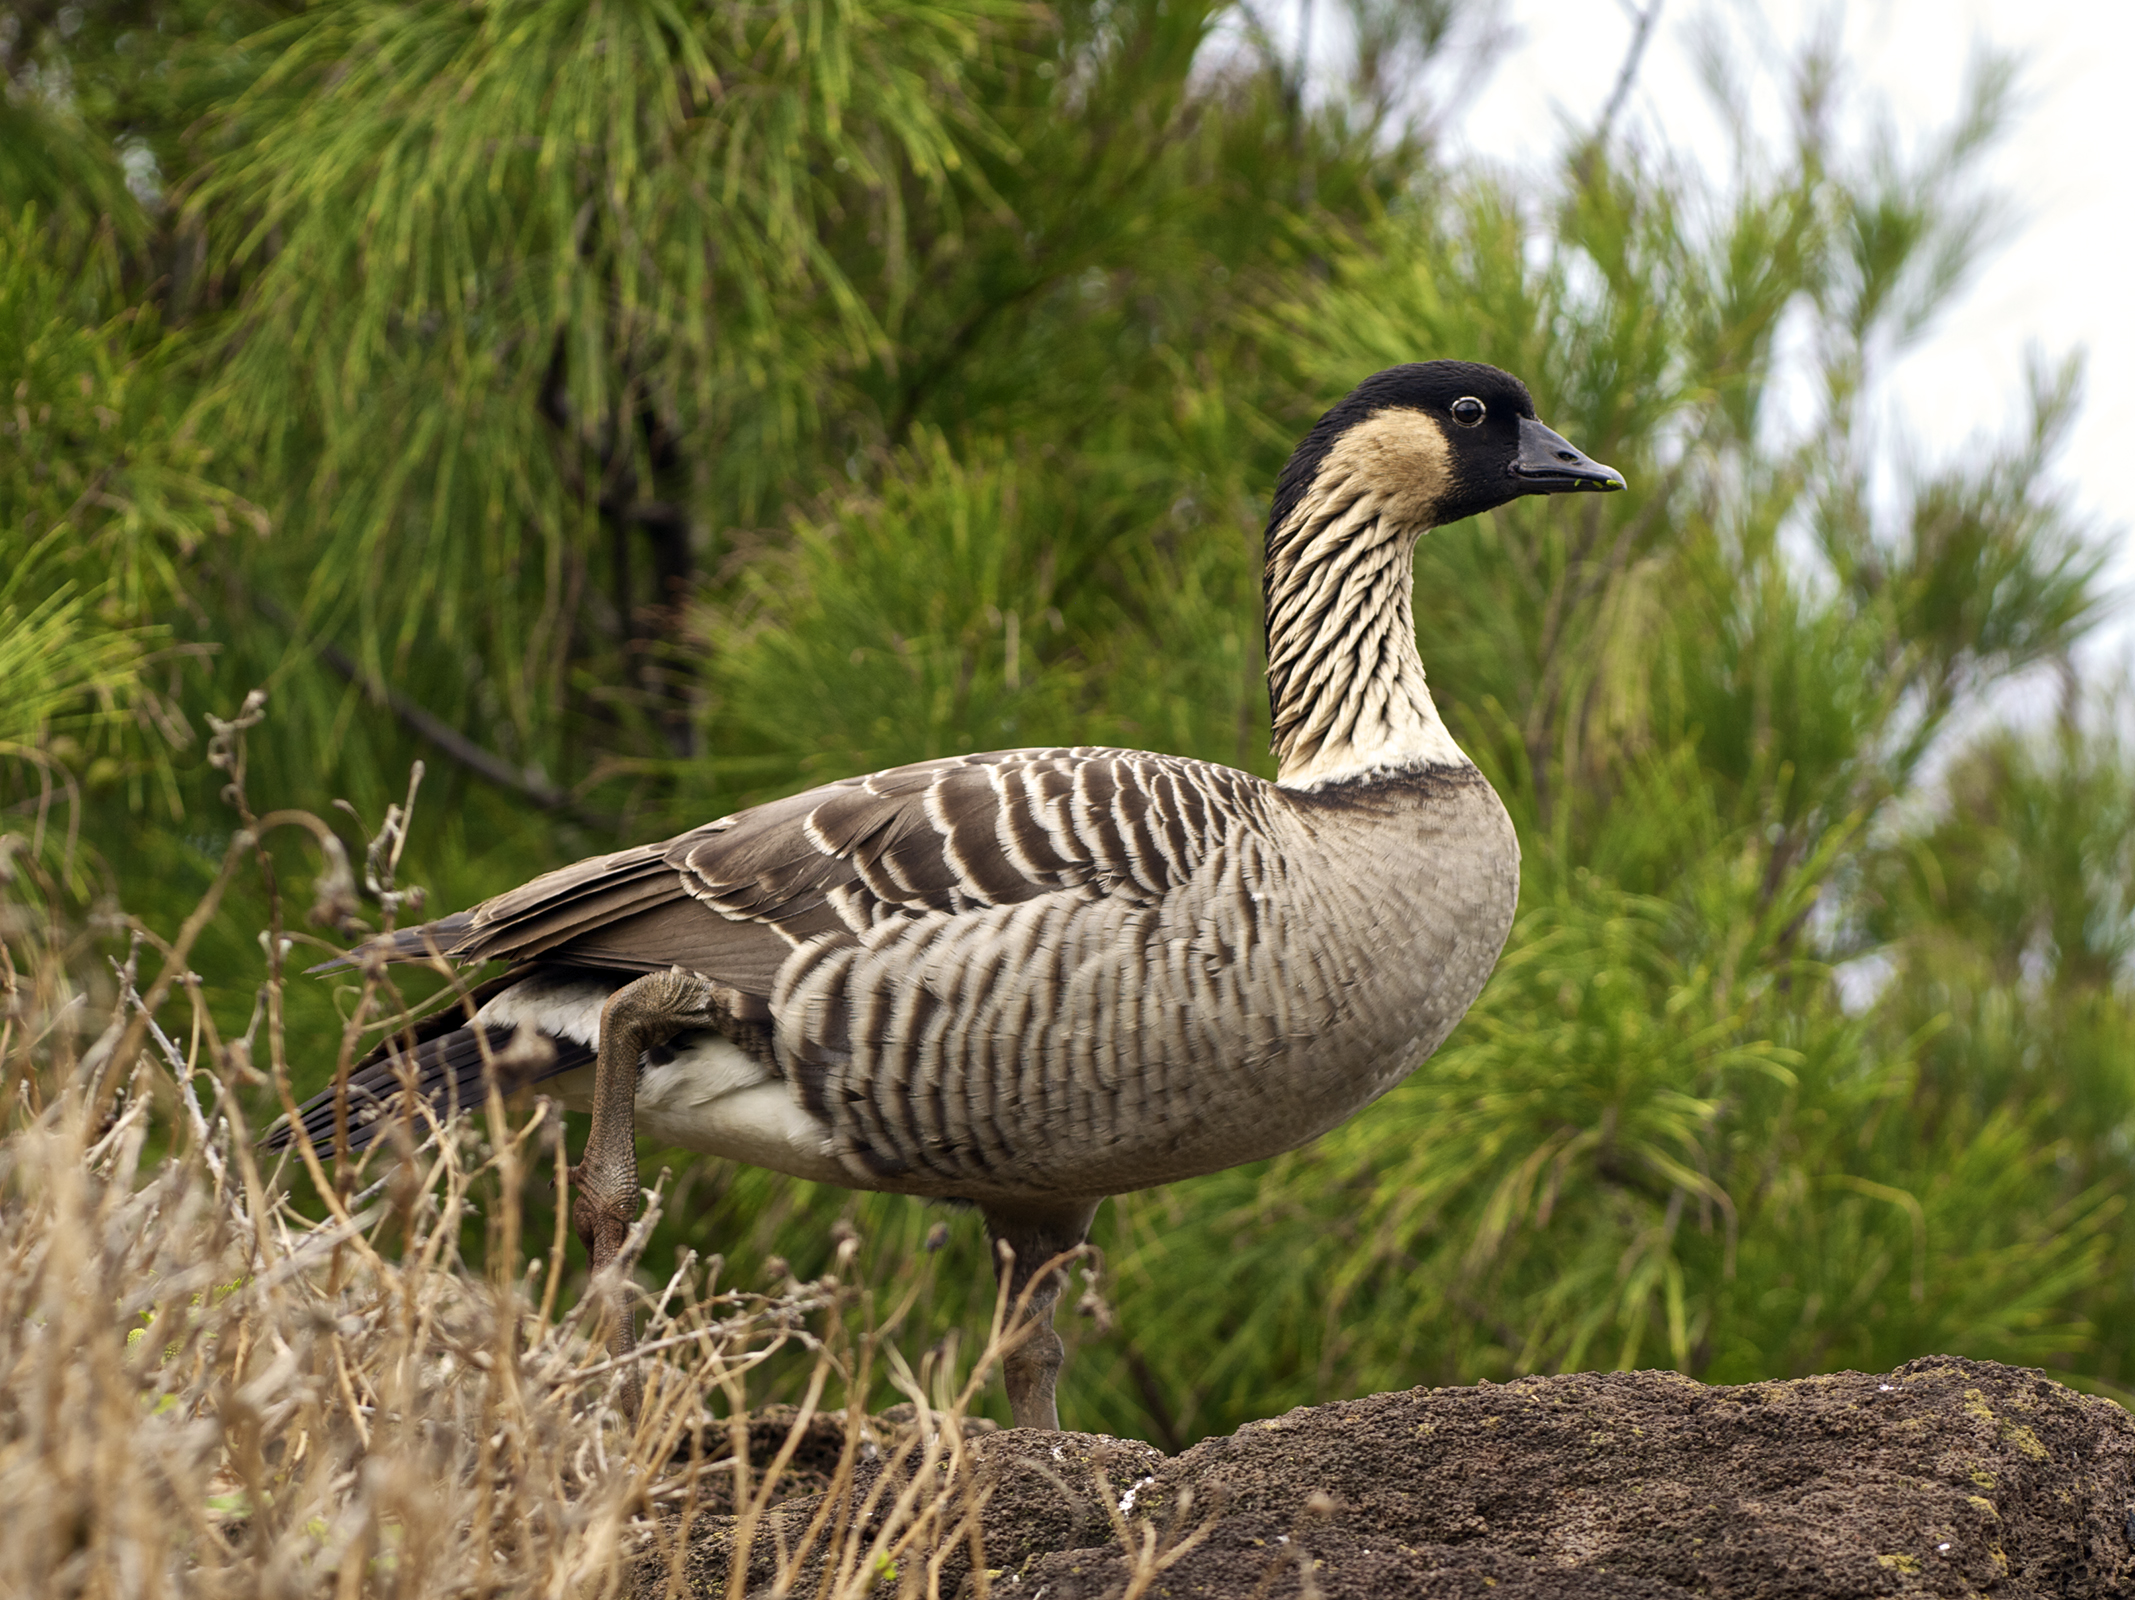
(204, 1391)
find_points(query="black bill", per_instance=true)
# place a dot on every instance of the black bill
(1549, 464)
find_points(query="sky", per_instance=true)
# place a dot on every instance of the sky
(2058, 279)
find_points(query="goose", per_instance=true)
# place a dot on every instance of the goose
(1030, 979)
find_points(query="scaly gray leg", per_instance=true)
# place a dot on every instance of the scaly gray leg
(1036, 1233)
(637, 1017)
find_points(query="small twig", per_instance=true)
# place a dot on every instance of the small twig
(94, 1066)
(1626, 75)
(381, 855)
(130, 998)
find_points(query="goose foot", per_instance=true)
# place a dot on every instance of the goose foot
(1035, 1235)
(604, 1202)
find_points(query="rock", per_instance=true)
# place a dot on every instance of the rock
(1946, 1477)
(1054, 1491)
(810, 1470)
(1043, 1492)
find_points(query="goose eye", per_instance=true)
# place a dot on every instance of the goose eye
(1467, 411)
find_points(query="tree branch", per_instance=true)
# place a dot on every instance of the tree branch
(1626, 75)
(448, 739)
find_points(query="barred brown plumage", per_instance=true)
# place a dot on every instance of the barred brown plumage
(1034, 978)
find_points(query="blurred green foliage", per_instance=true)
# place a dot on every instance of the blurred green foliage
(682, 405)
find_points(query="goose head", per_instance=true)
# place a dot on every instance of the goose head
(1437, 441)
(1410, 448)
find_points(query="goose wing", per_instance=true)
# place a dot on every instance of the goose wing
(733, 898)
(737, 898)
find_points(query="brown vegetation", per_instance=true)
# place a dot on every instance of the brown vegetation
(204, 1391)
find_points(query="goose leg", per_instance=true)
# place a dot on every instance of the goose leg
(639, 1016)
(1036, 1234)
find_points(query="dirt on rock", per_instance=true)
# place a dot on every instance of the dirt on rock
(1945, 1477)
(1035, 1494)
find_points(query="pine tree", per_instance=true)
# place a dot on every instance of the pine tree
(636, 411)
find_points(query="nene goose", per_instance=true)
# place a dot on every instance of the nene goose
(1031, 979)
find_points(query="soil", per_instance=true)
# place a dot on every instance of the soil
(1945, 1477)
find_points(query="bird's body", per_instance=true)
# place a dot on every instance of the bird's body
(1035, 978)
(1235, 986)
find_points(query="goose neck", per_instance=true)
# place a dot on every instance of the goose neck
(1345, 681)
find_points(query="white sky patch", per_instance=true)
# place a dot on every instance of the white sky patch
(2055, 279)
(2052, 281)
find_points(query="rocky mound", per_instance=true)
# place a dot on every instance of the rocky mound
(1946, 1477)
